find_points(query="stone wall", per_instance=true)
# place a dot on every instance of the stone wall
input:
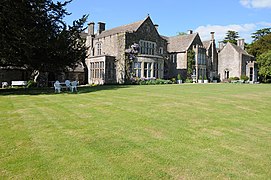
(229, 59)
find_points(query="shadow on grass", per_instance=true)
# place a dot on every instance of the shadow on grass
(50, 90)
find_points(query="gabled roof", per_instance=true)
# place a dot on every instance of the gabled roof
(206, 44)
(239, 49)
(125, 28)
(180, 43)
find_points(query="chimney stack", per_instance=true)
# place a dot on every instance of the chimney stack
(212, 36)
(190, 31)
(101, 27)
(241, 43)
(91, 28)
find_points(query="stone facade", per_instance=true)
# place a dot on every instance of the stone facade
(234, 61)
(109, 46)
(211, 58)
(178, 49)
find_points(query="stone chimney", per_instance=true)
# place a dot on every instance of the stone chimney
(156, 26)
(91, 28)
(212, 36)
(101, 27)
(190, 31)
(241, 43)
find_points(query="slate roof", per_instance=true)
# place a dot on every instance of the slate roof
(240, 50)
(126, 28)
(180, 43)
(206, 44)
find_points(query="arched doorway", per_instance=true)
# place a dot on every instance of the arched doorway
(226, 74)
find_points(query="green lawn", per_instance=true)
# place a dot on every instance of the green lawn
(194, 131)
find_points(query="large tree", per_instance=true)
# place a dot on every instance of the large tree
(260, 46)
(35, 36)
(260, 33)
(231, 36)
(264, 62)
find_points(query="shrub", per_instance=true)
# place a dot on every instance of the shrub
(188, 80)
(244, 77)
(179, 76)
(234, 78)
(173, 80)
(31, 84)
(152, 81)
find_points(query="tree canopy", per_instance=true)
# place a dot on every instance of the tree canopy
(261, 49)
(231, 36)
(260, 46)
(35, 36)
(264, 62)
(260, 33)
(181, 33)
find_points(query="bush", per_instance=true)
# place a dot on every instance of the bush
(31, 84)
(188, 80)
(143, 81)
(179, 76)
(244, 77)
(173, 80)
(234, 78)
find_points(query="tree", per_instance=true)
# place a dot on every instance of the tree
(260, 33)
(181, 33)
(231, 36)
(260, 46)
(35, 36)
(264, 62)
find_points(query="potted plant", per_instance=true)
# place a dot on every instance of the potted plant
(179, 79)
(200, 79)
(205, 79)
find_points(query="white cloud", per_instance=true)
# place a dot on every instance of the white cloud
(244, 30)
(256, 3)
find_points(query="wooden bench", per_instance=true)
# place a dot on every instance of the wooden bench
(18, 83)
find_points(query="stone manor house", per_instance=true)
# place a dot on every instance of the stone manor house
(160, 56)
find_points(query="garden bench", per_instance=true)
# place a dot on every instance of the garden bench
(18, 83)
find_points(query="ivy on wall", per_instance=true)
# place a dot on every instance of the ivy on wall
(190, 62)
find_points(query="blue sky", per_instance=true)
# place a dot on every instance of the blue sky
(173, 16)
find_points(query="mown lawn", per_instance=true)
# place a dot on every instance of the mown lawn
(196, 131)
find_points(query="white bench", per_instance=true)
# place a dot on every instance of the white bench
(18, 83)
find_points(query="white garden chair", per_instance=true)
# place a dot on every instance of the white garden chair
(57, 86)
(68, 84)
(4, 84)
(74, 86)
